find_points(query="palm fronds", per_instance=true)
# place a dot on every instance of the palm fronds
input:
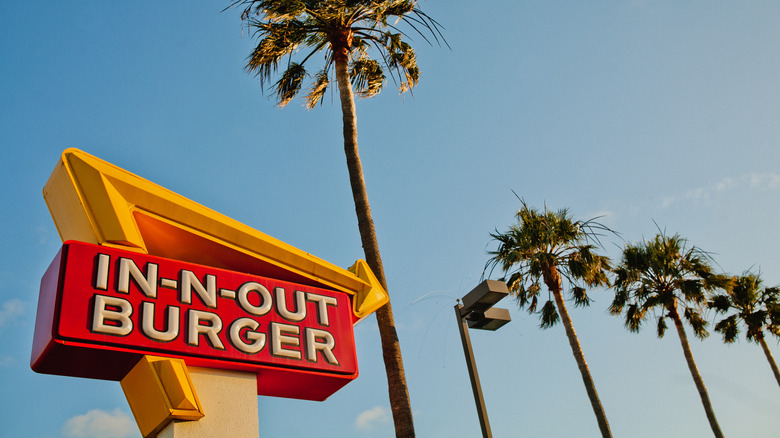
(753, 306)
(545, 246)
(662, 275)
(358, 28)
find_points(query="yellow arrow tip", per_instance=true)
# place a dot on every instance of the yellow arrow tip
(368, 300)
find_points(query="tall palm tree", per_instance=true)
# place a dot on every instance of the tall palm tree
(345, 33)
(756, 307)
(666, 277)
(548, 247)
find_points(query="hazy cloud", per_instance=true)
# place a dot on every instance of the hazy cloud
(11, 309)
(98, 424)
(369, 419)
(751, 181)
(603, 217)
(43, 234)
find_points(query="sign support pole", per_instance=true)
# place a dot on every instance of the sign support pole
(229, 400)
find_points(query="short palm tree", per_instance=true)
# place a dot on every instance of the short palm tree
(756, 307)
(666, 277)
(550, 247)
(345, 34)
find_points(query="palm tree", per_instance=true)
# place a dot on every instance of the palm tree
(549, 247)
(757, 308)
(345, 33)
(667, 277)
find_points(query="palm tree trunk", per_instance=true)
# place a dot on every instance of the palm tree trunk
(705, 398)
(579, 357)
(769, 358)
(391, 349)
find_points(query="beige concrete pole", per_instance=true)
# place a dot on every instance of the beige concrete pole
(229, 400)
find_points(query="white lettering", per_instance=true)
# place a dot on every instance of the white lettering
(172, 323)
(257, 340)
(265, 298)
(101, 274)
(279, 339)
(322, 306)
(122, 325)
(195, 328)
(300, 305)
(148, 283)
(320, 340)
(208, 293)
(169, 283)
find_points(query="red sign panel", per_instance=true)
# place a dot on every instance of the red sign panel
(101, 308)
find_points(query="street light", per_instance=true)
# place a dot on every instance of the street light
(477, 312)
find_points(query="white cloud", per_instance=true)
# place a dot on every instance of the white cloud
(725, 184)
(369, 419)
(603, 217)
(601, 214)
(10, 309)
(98, 424)
(750, 181)
(43, 234)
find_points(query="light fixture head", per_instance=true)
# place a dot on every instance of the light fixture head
(484, 296)
(491, 319)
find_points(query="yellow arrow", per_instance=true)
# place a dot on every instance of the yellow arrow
(96, 202)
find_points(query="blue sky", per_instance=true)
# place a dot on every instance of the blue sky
(636, 111)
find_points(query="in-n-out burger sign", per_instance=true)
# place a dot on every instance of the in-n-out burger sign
(144, 271)
(98, 301)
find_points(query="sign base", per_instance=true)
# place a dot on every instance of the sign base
(229, 400)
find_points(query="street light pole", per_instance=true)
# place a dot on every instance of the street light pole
(484, 423)
(477, 312)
